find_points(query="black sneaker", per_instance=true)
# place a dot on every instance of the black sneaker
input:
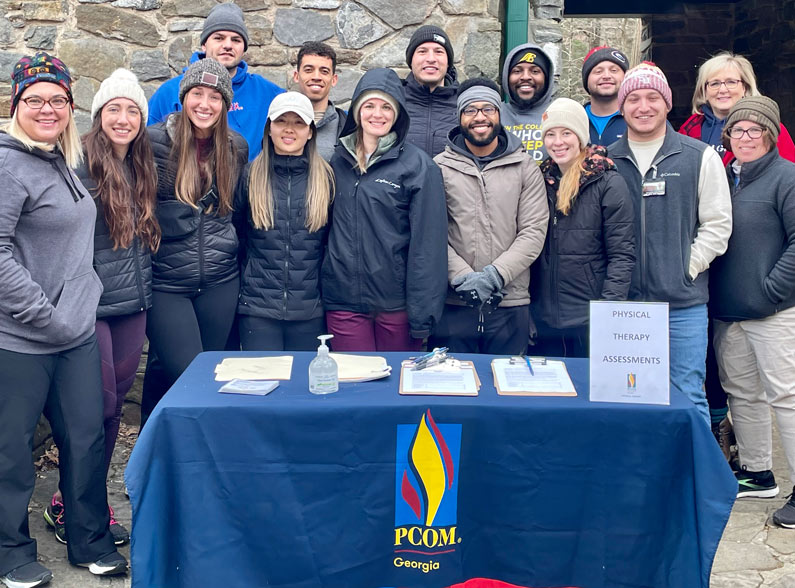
(117, 530)
(112, 564)
(27, 576)
(757, 484)
(53, 516)
(785, 516)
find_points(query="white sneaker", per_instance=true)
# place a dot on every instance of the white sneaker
(28, 575)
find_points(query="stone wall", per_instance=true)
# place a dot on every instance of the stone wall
(155, 38)
(761, 30)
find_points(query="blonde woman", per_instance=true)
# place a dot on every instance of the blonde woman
(49, 357)
(589, 253)
(194, 272)
(281, 216)
(722, 81)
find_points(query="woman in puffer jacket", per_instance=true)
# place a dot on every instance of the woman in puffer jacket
(281, 215)
(194, 272)
(589, 253)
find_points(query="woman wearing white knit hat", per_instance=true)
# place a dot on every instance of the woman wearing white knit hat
(119, 172)
(589, 253)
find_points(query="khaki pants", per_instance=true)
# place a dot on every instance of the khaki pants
(756, 361)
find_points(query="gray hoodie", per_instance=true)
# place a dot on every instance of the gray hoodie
(525, 123)
(49, 290)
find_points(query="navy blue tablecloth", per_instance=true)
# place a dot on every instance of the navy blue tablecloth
(366, 488)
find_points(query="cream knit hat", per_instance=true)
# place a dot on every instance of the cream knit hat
(122, 83)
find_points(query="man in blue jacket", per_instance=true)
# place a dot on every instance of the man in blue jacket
(603, 71)
(225, 39)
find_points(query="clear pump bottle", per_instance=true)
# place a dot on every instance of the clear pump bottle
(323, 370)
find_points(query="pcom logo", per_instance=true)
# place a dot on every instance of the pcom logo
(426, 492)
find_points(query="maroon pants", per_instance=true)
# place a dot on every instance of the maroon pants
(384, 331)
(121, 340)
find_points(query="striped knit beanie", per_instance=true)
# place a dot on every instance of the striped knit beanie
(645, 76)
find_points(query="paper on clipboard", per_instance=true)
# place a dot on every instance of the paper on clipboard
(550, 378)
(254, 368)
(452, 378)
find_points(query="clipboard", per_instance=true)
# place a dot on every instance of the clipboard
(465, 369)
(551, 378)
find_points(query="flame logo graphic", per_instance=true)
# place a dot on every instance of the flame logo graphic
(432, 465)
(630, 380)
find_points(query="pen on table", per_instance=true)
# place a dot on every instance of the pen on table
(529, 365)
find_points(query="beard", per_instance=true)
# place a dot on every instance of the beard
(481, 142)
(523, 103)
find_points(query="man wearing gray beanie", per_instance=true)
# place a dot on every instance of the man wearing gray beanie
(497, 221)
(225, 38)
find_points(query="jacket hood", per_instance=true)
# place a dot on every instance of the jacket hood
(387, 81)
(55, 157)
(549, 90)
(514, 143)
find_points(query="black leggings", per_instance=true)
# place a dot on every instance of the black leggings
(264, 334)
(179, 327)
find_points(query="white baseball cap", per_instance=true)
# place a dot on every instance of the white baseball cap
(291, 102)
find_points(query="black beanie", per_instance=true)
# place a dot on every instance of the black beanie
(429, 33)
(534, 56)
(599, 54)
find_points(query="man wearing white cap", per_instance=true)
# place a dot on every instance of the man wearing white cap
(683, 220)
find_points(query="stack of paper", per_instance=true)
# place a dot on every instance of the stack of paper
(451, 378)
(254, 368)
(548, 378)
(360, 368)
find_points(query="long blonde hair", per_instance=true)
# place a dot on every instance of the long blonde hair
(68, 140)
(319, 186)
(220, 165)
(570, 183)
(715, 64)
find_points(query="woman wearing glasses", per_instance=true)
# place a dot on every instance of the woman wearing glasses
(589, 252)
(49, 357)
(722, 81)
(753, 298)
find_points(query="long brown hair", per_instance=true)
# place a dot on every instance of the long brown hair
(128, 206)
(570, 183)
(319, 186)
(193, 182)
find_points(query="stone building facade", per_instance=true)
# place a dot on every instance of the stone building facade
(155, 38)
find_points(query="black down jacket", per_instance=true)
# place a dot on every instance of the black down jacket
(588, 254)
(126, 274)
(387, 248)
(197, 250)
(280, 267)
(432, 114)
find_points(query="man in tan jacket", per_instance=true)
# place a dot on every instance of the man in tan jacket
(497, 220)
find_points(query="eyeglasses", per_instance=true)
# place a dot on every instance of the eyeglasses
(37, 102)
(472, 111)
(730, 84)
(753, 132)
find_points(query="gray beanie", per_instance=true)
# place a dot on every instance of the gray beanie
(207, 72)
(477, 93)
(759, 109)
(225, 17)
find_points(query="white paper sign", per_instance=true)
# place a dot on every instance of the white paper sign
(630, 352)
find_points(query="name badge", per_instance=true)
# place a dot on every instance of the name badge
(654, 188)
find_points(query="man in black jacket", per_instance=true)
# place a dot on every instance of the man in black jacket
(430, 89)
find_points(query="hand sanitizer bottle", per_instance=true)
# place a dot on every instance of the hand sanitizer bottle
(323, 370)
